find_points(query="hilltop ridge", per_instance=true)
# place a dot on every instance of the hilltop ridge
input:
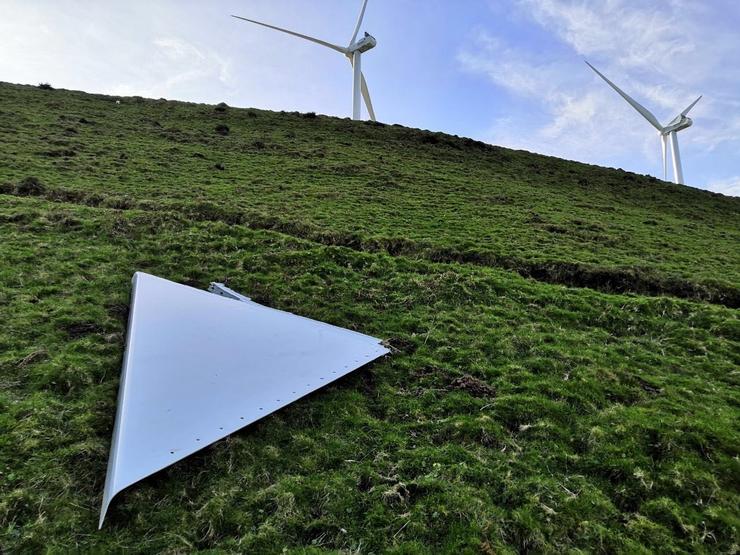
(377, 187)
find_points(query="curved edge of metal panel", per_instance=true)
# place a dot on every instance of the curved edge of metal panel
(111, 487)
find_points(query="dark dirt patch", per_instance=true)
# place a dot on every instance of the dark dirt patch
(648, 387)
(472, 385)
(400, 345)
(30, 187)
(118, 311)
(62, 153)
(80, 329)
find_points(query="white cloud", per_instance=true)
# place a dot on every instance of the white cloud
(183, 50)
(634, 35)
(173, 66)
(664, 54)
(575, 125)
(729, 186)
(510, 68)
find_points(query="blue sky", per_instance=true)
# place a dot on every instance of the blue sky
(508, 72)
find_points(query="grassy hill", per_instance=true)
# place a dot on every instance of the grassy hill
(566, 337)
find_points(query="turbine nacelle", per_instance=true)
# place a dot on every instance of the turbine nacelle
(678, 123)
(363, 45)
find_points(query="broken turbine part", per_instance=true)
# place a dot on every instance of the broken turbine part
(199, 366)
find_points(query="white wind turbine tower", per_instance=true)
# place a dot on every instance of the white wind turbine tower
(353, 51)
(668, 132)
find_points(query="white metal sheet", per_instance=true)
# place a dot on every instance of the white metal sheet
(200, 366)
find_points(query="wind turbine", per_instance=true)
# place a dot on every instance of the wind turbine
(353, 51)
(667, 133)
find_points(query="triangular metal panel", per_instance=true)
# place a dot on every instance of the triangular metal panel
(198, 367)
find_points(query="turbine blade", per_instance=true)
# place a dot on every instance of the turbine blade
(299, 35)
(359, 22)
(366, 97)
(364, 90)
(686, 111)
(636, 105)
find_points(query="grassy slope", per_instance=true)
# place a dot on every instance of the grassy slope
(379, 187)
(515, 414)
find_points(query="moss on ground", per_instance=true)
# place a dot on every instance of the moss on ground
(513, 415)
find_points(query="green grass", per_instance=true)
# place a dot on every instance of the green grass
(378, 187)
(513, 415)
